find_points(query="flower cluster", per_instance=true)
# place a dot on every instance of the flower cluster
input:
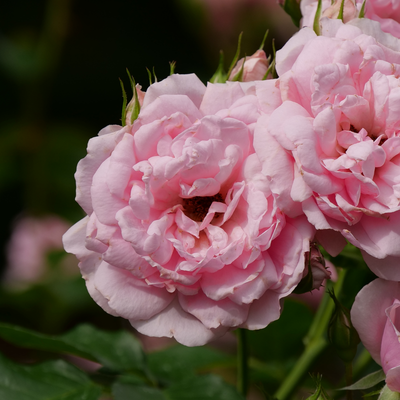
(200, 213)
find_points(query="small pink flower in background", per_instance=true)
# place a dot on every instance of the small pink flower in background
(254, 69)
(376, 316)
(386, 12)
(31, 241)
(183, 237)
(331, 149)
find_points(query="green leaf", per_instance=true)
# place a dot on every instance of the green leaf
(317, 18)
(127, 387)
(367, 382)
(387, 394)
(119, 351)
(54, 380)
(206, 387)
(33, 340)
(177, 362)
(292, 7)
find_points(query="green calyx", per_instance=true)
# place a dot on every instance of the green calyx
(341, 331)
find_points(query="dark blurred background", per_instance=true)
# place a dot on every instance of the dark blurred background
(60, 61)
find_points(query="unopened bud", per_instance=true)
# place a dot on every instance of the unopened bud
(133, 107)
(251, 68)
(349, 10)
(315, 271)
(341, 332)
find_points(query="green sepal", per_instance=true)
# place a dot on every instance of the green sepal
(136, 105)
(340, 15)
(131, 80)
(319, 393)
(341, 332)
(155, 76)
(367, 382)
(271, 69)
(220, 74)
(317, 17)
(387, 394)
(237, 54)
(123, 114)
(150, 77)
(362, 11)
(239, 76)
(292, 7)
(263, 41)
(172, 65)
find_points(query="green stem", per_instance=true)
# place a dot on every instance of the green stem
(315, 341)
(242, 362)
(349, 379)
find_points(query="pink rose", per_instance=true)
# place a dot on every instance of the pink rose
(331, 150)
(183, 237)
(386, 12)
(254, 69)
(31, 241)
(376, 316)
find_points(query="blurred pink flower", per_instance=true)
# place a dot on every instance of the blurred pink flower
(183, 237)
(331, 149)
(376, 316)
(31, 241)
(254, 69)
(386, 12)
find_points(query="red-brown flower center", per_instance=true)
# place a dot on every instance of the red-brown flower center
(197, 207)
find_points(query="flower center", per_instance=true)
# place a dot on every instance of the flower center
(196, 208)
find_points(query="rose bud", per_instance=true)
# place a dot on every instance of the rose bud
(254, 68)
(134, 105)
(349, 10)
(341, 332)
(315, 271)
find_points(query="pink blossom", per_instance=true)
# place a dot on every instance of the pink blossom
(183, 237)
(31, 241)
(331, 150)
(376, 316)
(386, 12)
(255, 67)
